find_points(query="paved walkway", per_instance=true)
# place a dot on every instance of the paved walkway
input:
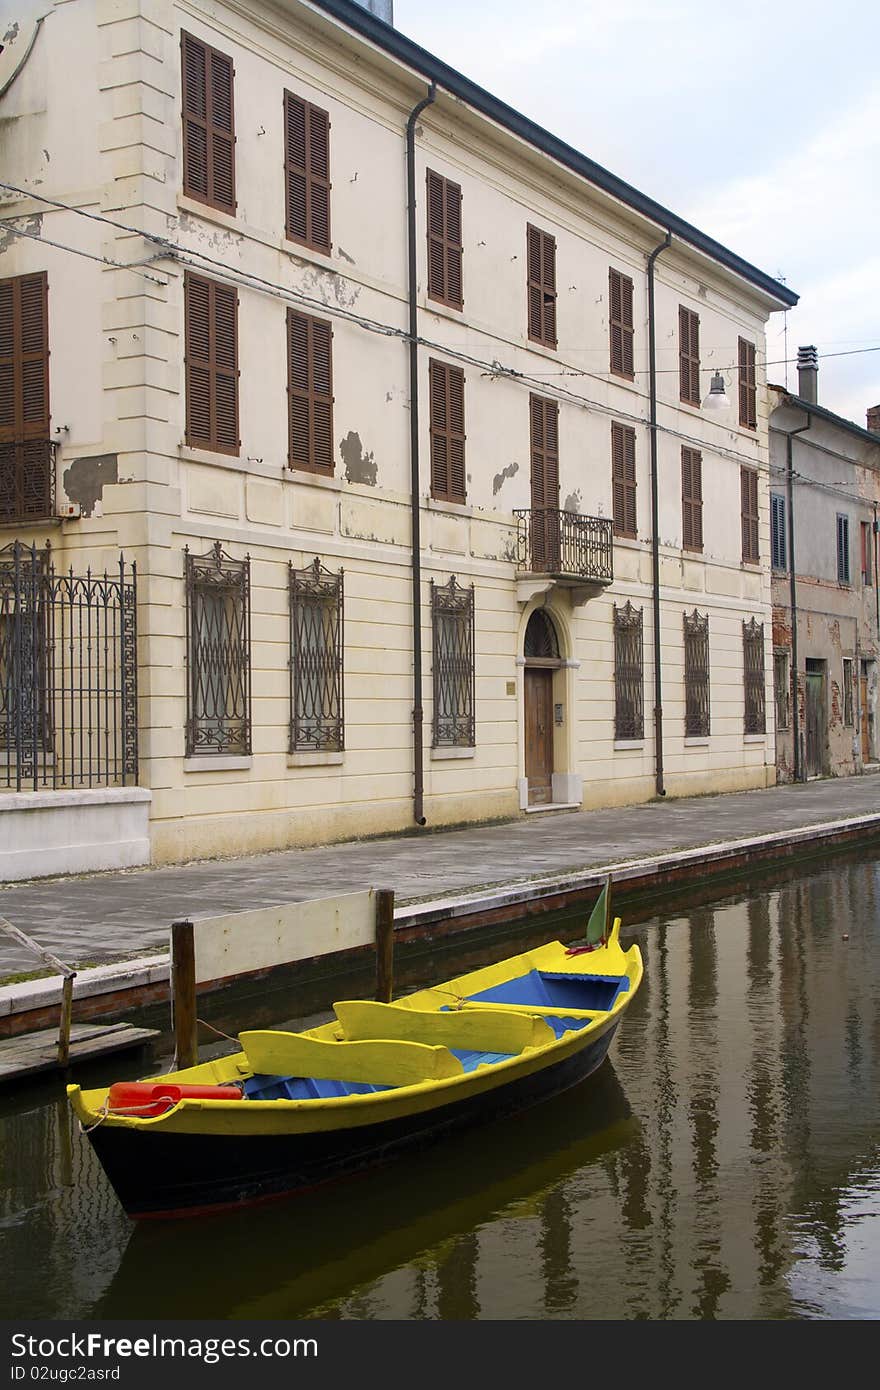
(99, 917)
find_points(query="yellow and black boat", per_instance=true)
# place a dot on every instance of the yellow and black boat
(291, 1111)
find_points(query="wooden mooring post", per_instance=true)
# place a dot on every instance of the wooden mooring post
(183, 995)
(68, 974)
(384, 944)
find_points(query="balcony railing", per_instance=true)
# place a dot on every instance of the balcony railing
(565, 544)
(27, 480)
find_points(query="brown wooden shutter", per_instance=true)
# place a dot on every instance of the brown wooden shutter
(620, 294)
(208, 124)
(749, 493)
(444, 241)
(24, 358)
(747, 390)
(211, 365)
(307, 172)
(544, 432)
(689, 355)
(448, 482)
(623, 479)
(692, 499)
(310, 392)
(541, 269)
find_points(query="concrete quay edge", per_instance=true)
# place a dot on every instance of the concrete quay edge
(129, 984)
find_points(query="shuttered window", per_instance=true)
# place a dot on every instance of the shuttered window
(211, 365)
(842, 548)
(749, 493)
(310, 392)
(778, 538)
(692, 499)
(541, 257)
(866, 546)
(623, 478)
(620, 296)
(444, 241)
(27, 466)
(447, 432)
(307, 172)
(208, 124)
(689, 355)
(747, 391)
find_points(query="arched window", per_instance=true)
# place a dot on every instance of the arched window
(541, 641)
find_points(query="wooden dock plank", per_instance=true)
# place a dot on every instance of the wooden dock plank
(29, 1054)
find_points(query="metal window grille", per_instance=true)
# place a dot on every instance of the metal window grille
(696, 674)
(218, 653)
(753, 677)
(842, 548)
(629, 673)
(68, 674)
(452, 620)
(848, 712)
(781, 689)
(316, 668)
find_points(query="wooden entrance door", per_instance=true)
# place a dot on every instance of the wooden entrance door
(815, 721)
(539, 735)
(863, 713)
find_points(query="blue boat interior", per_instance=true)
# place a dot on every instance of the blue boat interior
(551, 990)
(541, 987)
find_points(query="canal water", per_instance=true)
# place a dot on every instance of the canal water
(723, 1164)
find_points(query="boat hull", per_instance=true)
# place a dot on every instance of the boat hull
(163, 1175)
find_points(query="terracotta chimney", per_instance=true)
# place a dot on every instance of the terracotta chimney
(808, 372)
(874, 419)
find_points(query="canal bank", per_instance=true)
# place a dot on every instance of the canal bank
(450, 886)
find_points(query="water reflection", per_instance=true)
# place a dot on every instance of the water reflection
(723, 1165)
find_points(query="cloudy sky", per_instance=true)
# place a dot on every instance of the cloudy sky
(759, 123)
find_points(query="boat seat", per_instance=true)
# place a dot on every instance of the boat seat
(555, 988)
(374, 1063)
(470, 1060)
(472, 1030)
(262, 1087)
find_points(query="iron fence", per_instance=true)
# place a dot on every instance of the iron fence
(550, 541)
(68, 673)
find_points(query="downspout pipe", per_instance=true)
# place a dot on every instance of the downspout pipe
(418, 714)
(655, 523)
(799, 775)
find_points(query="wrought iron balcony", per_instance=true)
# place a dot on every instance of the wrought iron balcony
(27, 480)
(570, 548)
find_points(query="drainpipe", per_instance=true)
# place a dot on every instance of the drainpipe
(799, 775)
(418, 714)
(655, 524)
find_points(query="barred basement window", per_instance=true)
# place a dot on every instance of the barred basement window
(218, 653)
(848, 715)
(316, 646)
(753, 677)
(452, 621)
(781, 689)
(629, 674)
(696, 674)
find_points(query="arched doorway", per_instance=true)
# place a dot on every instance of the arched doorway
(542, 659)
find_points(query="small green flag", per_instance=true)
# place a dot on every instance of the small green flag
(600, 917)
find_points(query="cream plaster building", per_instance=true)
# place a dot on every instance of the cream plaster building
(365, 371)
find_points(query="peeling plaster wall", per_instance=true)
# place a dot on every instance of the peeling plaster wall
(117, 381)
